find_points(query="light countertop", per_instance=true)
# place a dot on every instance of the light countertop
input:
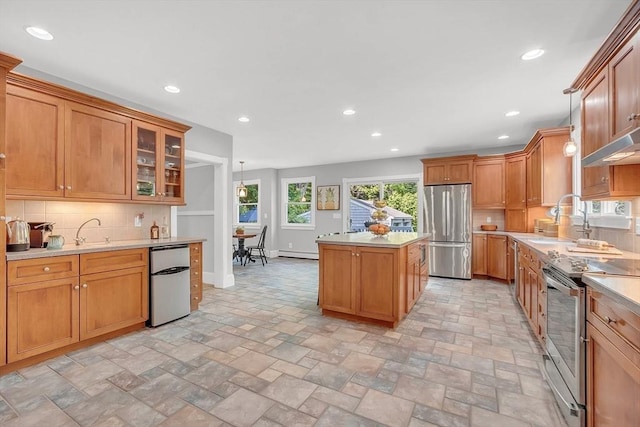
(72, 249)
(365, 238)
(623, 289)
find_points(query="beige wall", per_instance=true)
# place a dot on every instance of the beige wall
(117, 219)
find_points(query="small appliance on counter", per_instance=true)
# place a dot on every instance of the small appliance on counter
(17, 235)
(39, 233)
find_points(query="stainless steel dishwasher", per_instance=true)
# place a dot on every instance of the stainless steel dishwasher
(170, 289)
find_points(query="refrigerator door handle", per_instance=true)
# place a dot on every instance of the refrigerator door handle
(444, 212)
(447, 245)
(448, 214)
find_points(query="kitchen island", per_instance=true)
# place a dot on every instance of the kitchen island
(375, 279)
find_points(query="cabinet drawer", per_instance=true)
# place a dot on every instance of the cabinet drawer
(604, 311)
(195, 249)
(41, 269)
(98, 262)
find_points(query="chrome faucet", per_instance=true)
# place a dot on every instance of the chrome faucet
(586, 230)
(80, 240)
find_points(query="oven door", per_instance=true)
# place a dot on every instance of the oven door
(565, 347)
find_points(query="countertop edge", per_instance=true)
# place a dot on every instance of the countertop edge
(71, 249)
(367, 239)
(599, 282)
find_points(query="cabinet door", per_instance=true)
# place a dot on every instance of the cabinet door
(113, 300)
(434, 174)
(173, 182)
(413, 276)
(377, 283)
(479, 254)
(595, 133)
(534, 176)
(516, 182)
(41, 317)
(613, 380)
(459, 172)
(147, 162)
(97, 154)
(497, 256)
(337, 275)
(624, 87)
(515, 220)
(532, 303)
(488, 184)
(35, 154)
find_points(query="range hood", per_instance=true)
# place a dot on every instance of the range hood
(623, 151)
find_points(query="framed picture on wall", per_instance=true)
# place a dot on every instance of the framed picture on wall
(328, 197)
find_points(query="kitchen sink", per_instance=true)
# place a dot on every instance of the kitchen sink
(544, 242)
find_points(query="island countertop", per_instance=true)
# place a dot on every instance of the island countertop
(365, 238)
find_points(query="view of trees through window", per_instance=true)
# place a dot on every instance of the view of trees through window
(299, 202)
(402, 196)
(248, 206)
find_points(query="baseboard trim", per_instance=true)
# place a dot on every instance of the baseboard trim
(305, 255)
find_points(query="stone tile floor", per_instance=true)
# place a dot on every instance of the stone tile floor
(261, 354)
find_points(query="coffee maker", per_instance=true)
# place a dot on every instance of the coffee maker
(39, 233)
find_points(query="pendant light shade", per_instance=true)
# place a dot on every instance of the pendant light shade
(241, 190)
(570, 148)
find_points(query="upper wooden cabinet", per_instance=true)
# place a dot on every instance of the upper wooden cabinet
(448, 170)
(611, 107)
(488, 183)
(158, 164)
(548, 171)
(82, 147)
(516, 181)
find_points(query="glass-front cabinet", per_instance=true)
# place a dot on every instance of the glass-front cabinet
(159, 162)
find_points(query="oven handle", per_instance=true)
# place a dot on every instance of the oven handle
(572, 292)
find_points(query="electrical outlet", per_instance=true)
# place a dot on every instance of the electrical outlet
(290, 245)
(488, 220)
(638, 226)
(137, 220)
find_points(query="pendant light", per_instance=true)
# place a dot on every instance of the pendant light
(241, 191)
(569, 149)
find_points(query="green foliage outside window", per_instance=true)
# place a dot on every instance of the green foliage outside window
(299, 202)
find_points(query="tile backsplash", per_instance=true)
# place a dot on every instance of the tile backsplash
(481, 216)
(117, 219)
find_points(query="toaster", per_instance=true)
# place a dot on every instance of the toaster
(39, 233)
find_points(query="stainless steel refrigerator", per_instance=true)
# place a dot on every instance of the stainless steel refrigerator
(447, 211)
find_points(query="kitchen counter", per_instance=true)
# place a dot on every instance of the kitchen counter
(365, 238)
(72, 249)
(623, 289)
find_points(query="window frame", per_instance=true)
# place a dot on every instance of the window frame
(236, 206)
(284, 203)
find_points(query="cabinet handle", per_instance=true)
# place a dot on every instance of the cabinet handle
(583, 339)
(195, 298)
(196, 261)
(610, 320)
(195, 286)
(84, 286)
(61, 187)
(632, 117)
(196, 273)
(76, 287)
(602, 179)
(357, 254)
(46, 269)
(3, 218)
(68, 187)
(3, 156)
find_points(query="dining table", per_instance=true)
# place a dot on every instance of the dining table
(241, 252)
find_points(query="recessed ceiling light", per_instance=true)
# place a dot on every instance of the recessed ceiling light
(532, 54)
(349, 112)
(243, 119)
(503, 137)
(394, 149)
(39, 33)
(511, 113)
(172, 89)
(375, 134)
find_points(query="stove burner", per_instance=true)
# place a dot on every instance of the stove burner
(553, 254)
(579, 264)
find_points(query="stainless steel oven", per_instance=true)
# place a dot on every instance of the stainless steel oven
(565, 361)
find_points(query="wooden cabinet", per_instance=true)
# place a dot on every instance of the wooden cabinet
(515, 215)
(417, 273)
(58, 301)
(448, 170)
(516, 220)
(624, 89)
(497, 256)
(511, 260)
(31, 147)
(371, 283)
(531, 291)
(42, 305)
(548, 171)
(7, 62)
(195, 250)
(479, 254)
(601, 182)
(613, 362)
(82, 148)
(114, 291)
(489, 183)
(158, 163)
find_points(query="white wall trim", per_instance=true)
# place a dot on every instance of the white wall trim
(305, 255)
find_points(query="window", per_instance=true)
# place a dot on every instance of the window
(614, 214)
(297, 202)
(247, 209)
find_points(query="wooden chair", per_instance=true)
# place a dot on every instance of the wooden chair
(259, 247)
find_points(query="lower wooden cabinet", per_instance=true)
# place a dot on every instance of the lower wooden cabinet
(490, 255)
(531, 291)
(195, 250)
(57, 301)
(378, 284)
(613, 362)
(479, 254)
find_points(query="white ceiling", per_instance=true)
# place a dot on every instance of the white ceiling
(433, 76)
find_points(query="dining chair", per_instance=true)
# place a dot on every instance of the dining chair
(259, 247)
